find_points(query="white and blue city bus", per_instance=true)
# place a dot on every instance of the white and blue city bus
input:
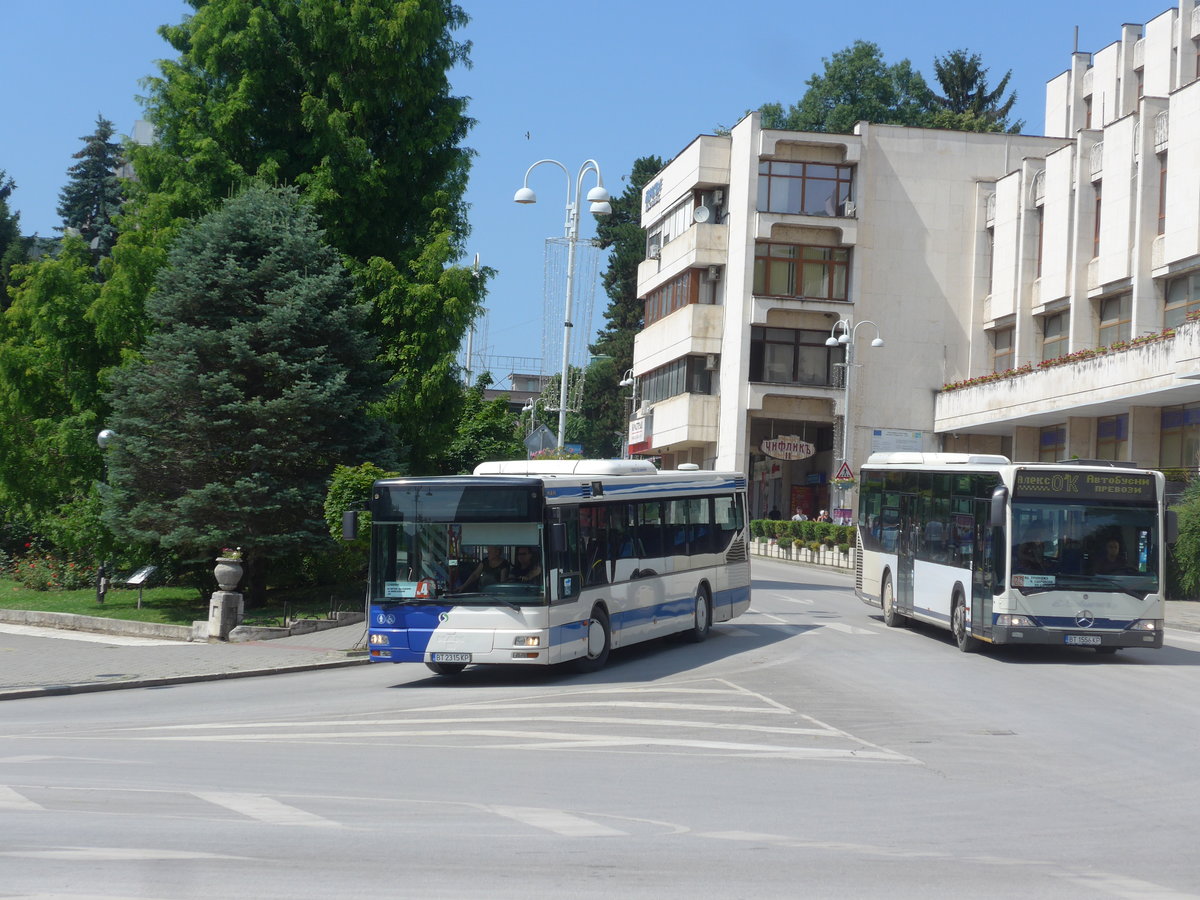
(612, 552)
(1029, 553)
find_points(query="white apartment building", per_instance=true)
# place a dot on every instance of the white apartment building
(1018, 313)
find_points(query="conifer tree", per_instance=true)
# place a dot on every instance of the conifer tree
(253, 385)
(92, 197)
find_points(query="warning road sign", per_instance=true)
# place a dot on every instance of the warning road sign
(844, 473)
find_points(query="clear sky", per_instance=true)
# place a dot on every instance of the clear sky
(610, 80)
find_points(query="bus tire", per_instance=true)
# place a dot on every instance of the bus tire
(958, 624)
(701, 617)
(599, 642)
(887, 598)
(440, 668)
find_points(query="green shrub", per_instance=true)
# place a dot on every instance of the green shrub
(45, 572)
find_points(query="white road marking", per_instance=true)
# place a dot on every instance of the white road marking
(556, 821)
(120, 640)
(11, 800)
(266, 809)
(848, 629)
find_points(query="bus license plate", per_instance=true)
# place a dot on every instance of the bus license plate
(452, 657)
(1091, 640)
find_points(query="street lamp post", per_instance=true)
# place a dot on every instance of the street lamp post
(598, 197)
(103, 439)
(629, 380)
(846, 339)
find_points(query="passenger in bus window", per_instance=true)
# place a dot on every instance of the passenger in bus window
(1113, 561)
(493, 569)
(528, 567)
(1031, 555)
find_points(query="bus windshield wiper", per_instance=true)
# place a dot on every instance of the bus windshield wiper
(475, 595)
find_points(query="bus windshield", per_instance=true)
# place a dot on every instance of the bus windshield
(471, 562)
(1089, 546)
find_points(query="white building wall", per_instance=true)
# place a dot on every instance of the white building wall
(1116, 220)
(1181, 238)
(1057, 226)
(1158, 54)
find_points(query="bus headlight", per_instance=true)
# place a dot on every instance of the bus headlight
(378, 639)
(1005, 620)
(1147, 625)
(527, 640)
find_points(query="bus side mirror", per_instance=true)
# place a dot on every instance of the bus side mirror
(350, 525)
(558, 537)
(999, 506)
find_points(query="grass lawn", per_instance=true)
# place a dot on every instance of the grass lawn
(181, 605)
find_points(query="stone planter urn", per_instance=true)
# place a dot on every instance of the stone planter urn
(228, 573)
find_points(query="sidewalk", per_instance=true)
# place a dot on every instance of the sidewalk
(41, 661)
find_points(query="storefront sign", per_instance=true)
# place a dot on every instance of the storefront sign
(788, 446)
(637, 430)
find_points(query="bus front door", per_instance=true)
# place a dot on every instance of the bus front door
(904, 555)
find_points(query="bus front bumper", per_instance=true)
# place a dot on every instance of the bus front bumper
(1076, 637)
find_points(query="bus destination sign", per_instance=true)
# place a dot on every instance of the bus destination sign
(1119, 486)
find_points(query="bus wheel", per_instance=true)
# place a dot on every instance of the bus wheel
(958, 622)
(599, 641)
(891, 618)
(701, 617)
(445, 668)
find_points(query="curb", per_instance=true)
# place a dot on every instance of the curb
(97, 624)
(90, 688)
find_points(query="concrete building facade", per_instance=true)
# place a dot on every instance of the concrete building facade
(1032, 293)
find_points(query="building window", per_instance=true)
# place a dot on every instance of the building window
(796, 270)
(792, 356)
(1115, 315)
(1052, 443)
(1041, 223)
(677, 220)
(1087, 112)
(1112, 437)
(1182, 296)
(684, 375)
(991, 258)
(1096, 225)
(1054, 335)
(1162, 193)
(1141, 83)
(1002, 350)
(1179, 437)
(809, 189)
(675, 294)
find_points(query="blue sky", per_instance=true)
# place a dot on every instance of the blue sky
(610, 81)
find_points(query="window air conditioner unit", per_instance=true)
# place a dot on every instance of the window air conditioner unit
(654, 252)
(851, 207)
(712, 362)
(713, 273)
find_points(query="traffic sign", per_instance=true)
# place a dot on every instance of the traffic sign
(844, 473)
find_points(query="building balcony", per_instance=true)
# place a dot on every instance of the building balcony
(700, 245)
(694, 329)
(798, 401)
(845, 226)
(685, 420)
(1160, 372)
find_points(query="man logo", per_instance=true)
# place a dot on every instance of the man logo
(1085, 619)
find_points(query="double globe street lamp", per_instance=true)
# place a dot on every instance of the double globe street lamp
(599, 198)
(846, 337)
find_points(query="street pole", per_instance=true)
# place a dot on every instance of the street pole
(599, 198)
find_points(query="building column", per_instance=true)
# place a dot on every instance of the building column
(1145, 427)
(1081, 438)
(1025, 443)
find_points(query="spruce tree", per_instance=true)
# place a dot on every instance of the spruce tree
(92, 198)
(253, 385)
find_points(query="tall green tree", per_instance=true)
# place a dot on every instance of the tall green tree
(12, 245)
(967, 95)
(350, 102)
(253, 385)
(487, 430)
(50, 399)
(856, 85)
(605, 412)
(92, 197)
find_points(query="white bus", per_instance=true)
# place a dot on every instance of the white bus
(1003, 553)
(537, 563)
